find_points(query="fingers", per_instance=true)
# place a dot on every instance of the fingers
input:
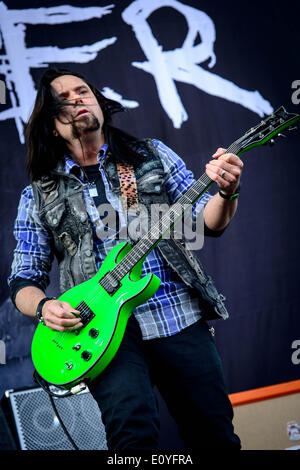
(220, 151)
(225, 169)
(221, 154)
(215, 173)
(231, 171)
(61, 316)
(231, 158)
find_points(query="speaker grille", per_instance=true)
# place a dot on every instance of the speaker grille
(38, 426)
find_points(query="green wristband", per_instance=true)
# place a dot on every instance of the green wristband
(230, 197)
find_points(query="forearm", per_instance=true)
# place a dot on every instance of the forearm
(225, 170)
(57, 315)
(218, 212)
(28, 298)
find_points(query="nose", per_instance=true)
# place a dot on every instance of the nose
(77, 99)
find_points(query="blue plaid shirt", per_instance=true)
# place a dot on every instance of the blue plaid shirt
(173, 307)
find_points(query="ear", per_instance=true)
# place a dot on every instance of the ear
(55, 133)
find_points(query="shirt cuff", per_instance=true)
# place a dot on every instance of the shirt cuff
(19, 283)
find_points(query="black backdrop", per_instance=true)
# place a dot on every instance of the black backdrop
(256, 261)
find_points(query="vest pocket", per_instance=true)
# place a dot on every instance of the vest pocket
(68, 243)
(152, 182)
(77, 208)
(53, 216)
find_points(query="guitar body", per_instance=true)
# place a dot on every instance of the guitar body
(65, 359)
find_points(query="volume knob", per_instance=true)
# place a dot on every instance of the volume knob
(93, 333)
(86, 355)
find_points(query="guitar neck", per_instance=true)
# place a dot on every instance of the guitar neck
(176, 212)
(258, 135)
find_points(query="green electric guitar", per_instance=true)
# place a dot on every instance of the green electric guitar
(69, 359)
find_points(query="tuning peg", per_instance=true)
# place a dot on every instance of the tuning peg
(271, 142)
(292, 128)
(281, 135)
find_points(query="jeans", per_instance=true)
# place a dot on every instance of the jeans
(187, 371)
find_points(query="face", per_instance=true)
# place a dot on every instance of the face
(83, 115)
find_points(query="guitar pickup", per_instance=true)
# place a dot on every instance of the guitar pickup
(110, 283)
(86, 313)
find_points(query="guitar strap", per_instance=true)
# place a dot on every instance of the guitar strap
(128, 186)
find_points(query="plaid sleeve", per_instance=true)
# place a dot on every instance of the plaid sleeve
(33, 254)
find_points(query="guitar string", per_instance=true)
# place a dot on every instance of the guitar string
(203, 181)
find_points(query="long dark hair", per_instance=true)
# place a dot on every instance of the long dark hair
(45, 150)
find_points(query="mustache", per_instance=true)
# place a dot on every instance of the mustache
(65, 116)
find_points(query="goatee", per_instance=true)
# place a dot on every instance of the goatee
(85, 125)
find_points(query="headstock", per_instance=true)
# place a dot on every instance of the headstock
(268, 129)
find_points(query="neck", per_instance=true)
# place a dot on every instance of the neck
(85, 149)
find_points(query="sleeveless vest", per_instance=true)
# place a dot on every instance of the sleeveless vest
(61, 207)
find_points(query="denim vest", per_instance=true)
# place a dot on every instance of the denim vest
(61, 207)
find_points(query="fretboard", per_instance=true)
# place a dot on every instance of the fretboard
(143, 247)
